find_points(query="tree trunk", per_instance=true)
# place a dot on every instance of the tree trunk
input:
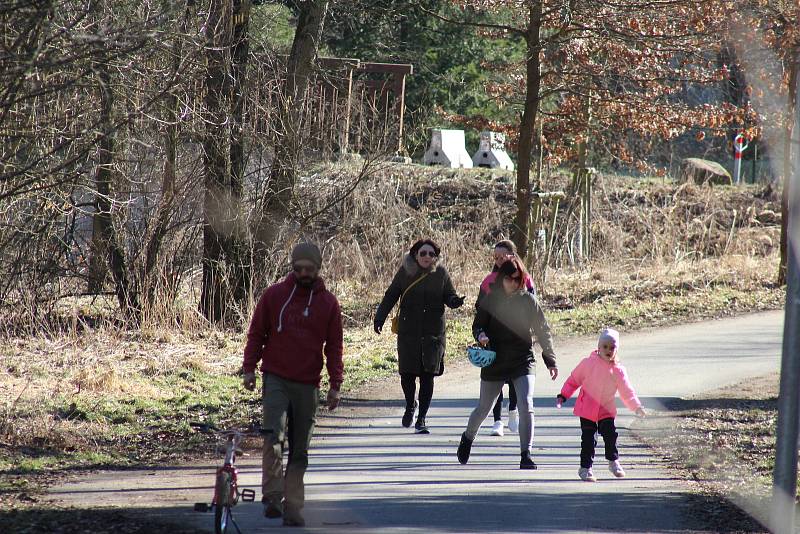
(788, 169)
(239, 51)
(223, 249)
(217, 182)
(519, 232)
(239, 54)
(103, 223)
(299, 69)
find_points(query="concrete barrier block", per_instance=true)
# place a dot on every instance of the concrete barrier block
(492, 152)
(447, 148)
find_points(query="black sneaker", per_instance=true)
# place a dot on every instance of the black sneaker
(420, 427)
(409, 415)
(464, 449)
(526, 462)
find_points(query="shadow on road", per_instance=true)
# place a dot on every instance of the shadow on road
(463, 404)
(601, 511)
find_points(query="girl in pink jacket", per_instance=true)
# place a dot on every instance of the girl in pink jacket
(600, 377)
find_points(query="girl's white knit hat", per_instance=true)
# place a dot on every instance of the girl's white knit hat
(609, 334)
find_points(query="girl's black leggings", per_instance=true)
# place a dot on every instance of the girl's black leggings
(589, 430)
(409, 383)
(512, 402)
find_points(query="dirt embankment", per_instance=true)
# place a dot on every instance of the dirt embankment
(649, 238)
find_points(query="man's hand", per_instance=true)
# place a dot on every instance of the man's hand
(640, 412)
(377, 327)
(560, 399)
(249, 381)
(333, 399)
(553, 372)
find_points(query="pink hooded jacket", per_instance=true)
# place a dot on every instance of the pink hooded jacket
(599, 381)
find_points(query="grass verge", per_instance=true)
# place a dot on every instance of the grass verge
(724, 440)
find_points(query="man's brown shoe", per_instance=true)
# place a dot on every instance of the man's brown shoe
(272, 507)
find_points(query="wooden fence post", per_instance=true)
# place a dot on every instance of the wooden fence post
(534, 218)
(537, 221)
(586, 212)
(552, 232)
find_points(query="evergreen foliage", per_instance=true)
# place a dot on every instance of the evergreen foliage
(450, 61)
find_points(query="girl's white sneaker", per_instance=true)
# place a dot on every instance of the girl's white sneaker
(513, 421)
(586, 474)
(497, 428)
(616, 469)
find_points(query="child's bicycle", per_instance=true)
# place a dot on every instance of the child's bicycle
(226, 489)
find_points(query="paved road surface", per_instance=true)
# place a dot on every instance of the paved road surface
(367, 473)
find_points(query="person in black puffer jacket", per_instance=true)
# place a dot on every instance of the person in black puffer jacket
(424, 288)
(504, 322)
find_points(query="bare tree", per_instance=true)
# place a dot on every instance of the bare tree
(106, 241)
(533, 77)
(226, 30)
(126, 134)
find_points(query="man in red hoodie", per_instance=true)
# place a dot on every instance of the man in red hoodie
(295, 321)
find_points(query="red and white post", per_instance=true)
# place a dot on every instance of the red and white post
(738, 147)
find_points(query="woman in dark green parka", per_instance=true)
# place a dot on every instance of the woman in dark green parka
(423, 289)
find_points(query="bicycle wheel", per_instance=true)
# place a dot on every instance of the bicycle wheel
(222, 510)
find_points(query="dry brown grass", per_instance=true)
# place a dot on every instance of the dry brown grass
(650, 238)
(603, 281)
(47, 382)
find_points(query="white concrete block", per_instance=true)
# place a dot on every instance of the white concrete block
(492, 152)
(447, 148)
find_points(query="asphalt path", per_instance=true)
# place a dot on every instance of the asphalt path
(369, 474)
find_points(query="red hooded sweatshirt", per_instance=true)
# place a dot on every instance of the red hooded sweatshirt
(290, 326)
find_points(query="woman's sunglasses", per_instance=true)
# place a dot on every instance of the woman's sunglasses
(423, 253)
